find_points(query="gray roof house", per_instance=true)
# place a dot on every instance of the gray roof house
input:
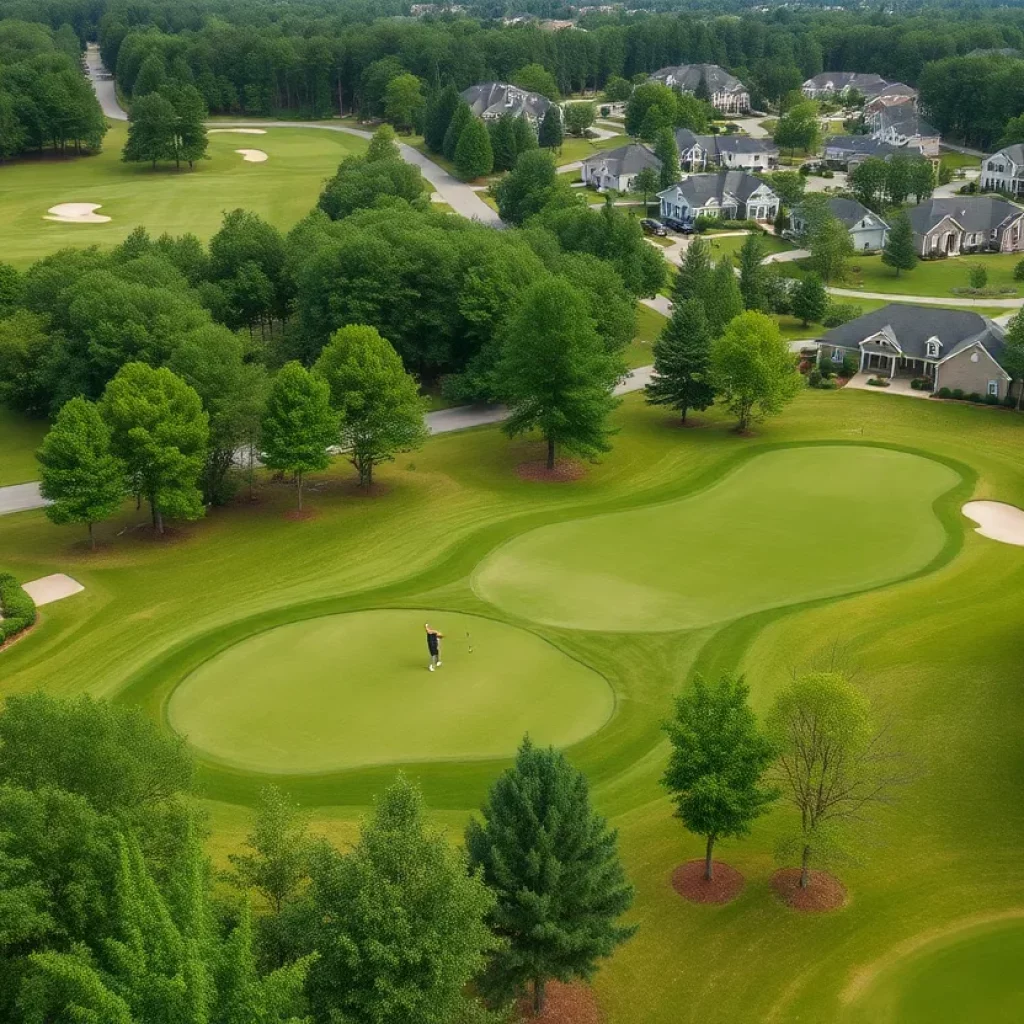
(1004, 171)
(850, 150)
(951, 348)
(867, 230)
(732, 195)
(490, 100)
(734, 152)
(839, 83)
(728, 94)
(902, 126)
(967, 224)
(617, 168)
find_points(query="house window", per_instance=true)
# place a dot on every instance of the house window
(837, 355)
(933, 349)
(993, 388)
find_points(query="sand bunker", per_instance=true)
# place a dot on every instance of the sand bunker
(997, 521)
(236, 131)
(76, 213)
(252, 156)
(48, 589)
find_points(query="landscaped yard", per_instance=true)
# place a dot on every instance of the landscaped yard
(681, 550)
(579, 149)
(731, 245)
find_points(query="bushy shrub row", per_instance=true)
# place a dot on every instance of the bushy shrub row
(17, 608)
(703, 223)
(958, 395)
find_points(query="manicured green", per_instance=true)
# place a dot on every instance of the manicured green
(282, 190)
(345, 691)
(21, 436)
(730, 245)
(731, 550)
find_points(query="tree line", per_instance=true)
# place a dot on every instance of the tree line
(113, 912)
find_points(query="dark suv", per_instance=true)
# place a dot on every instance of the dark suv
(684, 227)
(652, 226)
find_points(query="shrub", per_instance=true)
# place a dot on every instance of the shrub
(606, 111)
(839, 313)
(19, 610)
(805, 366)
(1018, 271)
(974, 397)
(877, 382)
(827, 172)
(829, 385)
(921, 384)
(992, 400)
(826, 366)
(958, 393)
(1010, 402)
(945, 393)
(851, 365)
(814, 377)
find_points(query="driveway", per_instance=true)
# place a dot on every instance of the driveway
(897, 386)
(20, 498)
(752, 126)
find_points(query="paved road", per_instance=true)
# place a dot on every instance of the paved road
(104, 87)
(752, 126)
(928, 300)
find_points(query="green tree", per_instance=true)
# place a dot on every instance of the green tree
(551, 132)
(702, 92)
(719, 756)
(190, 113)
(152, 127)
(1012, 357)
(553, 867)
(379, 404)
(666, 150)
(831, 248)
(383, 145)
(722, 298)
(978, 276)
(299, 424)
(27, 352)
(473, 155)
(645, 182)
(922, 179)
(503, 142)
(899, 252)
(617, 90)
(579, 117)
(694, 278)
(399, 923)
(152, 75)
(809, 300)
(798, 128)
(868, 182)
(159, 430)
(527, 188)
(650, 95)
(753, 369)
(12, 289)
(461, 117)
(789, 186)
(537, 78)
(554, 372)
(79, 473)
(403, 102)
(526, 135)
(682, 361)
(752, 273)
(833, 763)
(438, 116)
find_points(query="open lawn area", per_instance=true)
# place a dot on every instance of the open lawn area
(959, 160)
(19, 439)
(579, 149)
(282, 189)
(293, 650)
(730, 245)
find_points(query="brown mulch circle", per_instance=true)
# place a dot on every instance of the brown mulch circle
(295, 516)
(726, 882)
(564, 1004)
(565, 471)
(824, 891)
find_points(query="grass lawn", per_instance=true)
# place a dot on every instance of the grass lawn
(282, 189)
(957, 161)
(648, 326)
(777, 528)
(574, 149)
(19, 439)
(731, 245)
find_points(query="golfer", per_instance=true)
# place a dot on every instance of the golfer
(434, 646)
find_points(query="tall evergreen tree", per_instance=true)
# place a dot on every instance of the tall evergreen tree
(682, 361)
(752, 273)
(526, 136)
(694, 277)
(80, 474)
(440, 109)
(503, 142)
(553, 867)
(473, 155)
(810, 300)
(722, 298)
(461, 116)
(666, 150)
(551, 130)
(899, 252)
(703, 90)
(718, 758)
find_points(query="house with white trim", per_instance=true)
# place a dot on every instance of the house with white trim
(617, 168)
(962, 224)
(491, 100)
(1004, 171)
(950, 348)
(730, 195)
(842, 83)
(732, 151)
(728, 94)
(900, 126)
(867, 230)
(847, 152)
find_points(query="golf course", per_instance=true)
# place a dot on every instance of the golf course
(294, 651)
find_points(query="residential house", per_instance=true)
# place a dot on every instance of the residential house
(895, 95)
(951, 348)
(731, 195)
(490, 100)
(902, 127)
(734, 152)
(967, 224)
(1004, 171)
(728, 94)
(617, 168)
(867, 230)
(847, 151)
(842, 83)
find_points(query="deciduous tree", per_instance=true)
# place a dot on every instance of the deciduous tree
(831, 248)
(537, 78)
(646, 182)
(403, 102)
(752, 273)
(1012, 356)
(152, 128)
(579, 117)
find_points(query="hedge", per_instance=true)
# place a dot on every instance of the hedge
(17, 608)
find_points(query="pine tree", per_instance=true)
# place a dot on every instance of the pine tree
(553, 867)
(722, 298)
(694, 277)
(682, 361)
(718, 758)
(666, 150)
(526, 136)
(440, 108)
(551, 131)
(703, 91)
(299, 424)
(503, 142)
(461, 116)
(810, 300)
(899, 252)
(473, 155)
(80, 474)
(752, 273)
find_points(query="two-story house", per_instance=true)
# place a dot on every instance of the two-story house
(617, 168)
(733, 152)
(842, 83)
(728, 94)
(491, 100)
(847, 151)
(867, 230)
(1004, 171)
(730, 195)
(902, 127)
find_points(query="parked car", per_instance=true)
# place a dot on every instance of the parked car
(684, 227)
(652, 226)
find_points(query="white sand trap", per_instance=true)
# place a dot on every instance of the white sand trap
(52, 588)
(236, 131)
(252, 156)
(76, 213)
(997, 520)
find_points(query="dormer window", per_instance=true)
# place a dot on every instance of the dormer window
(932, 348)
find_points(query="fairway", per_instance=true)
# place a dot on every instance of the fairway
(282, 190)
(787, 526)
(973, 976)
(351, 690)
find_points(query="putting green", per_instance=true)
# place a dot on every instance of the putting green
(350, 690)
(975, 976)
(785, 527)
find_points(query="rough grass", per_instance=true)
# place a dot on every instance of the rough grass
(938, 654)
(19, 439)
(282, 189)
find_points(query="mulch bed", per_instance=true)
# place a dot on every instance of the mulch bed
(564, 1004)
(295, 516)
(688, 880)
(824, 891)
(565, 471)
